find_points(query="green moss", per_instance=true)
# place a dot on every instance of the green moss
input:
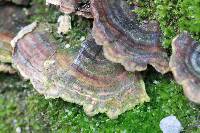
(42, 13)
(80, 29)
(80, 26)
(13, 94)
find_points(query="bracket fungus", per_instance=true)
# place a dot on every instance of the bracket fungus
(185, 65)
(80, 76)
(5, 48)
(9, 26)
(124, 41)
(78, 7)
(6, 53)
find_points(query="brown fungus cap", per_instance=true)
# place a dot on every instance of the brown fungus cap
(5, 47)
(9, 26)
(80, 76)
(124, 41)
(6, 53)
(185, 65)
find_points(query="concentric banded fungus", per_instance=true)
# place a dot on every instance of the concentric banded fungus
(6, 53)
(79, 7)
(185, 65)
(123, 40)
(80, 76)
(9, 25)
(5, 48)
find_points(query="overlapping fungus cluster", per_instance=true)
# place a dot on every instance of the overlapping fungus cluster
(96, 76)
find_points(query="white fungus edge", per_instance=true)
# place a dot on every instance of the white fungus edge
(27, 29)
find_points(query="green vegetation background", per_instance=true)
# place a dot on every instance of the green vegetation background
(21, 106)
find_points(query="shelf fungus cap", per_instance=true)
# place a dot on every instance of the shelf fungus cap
(6, 53)
(9, 26)
(5, 47)
(124, 40)
(82, 76)
(185, 65)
